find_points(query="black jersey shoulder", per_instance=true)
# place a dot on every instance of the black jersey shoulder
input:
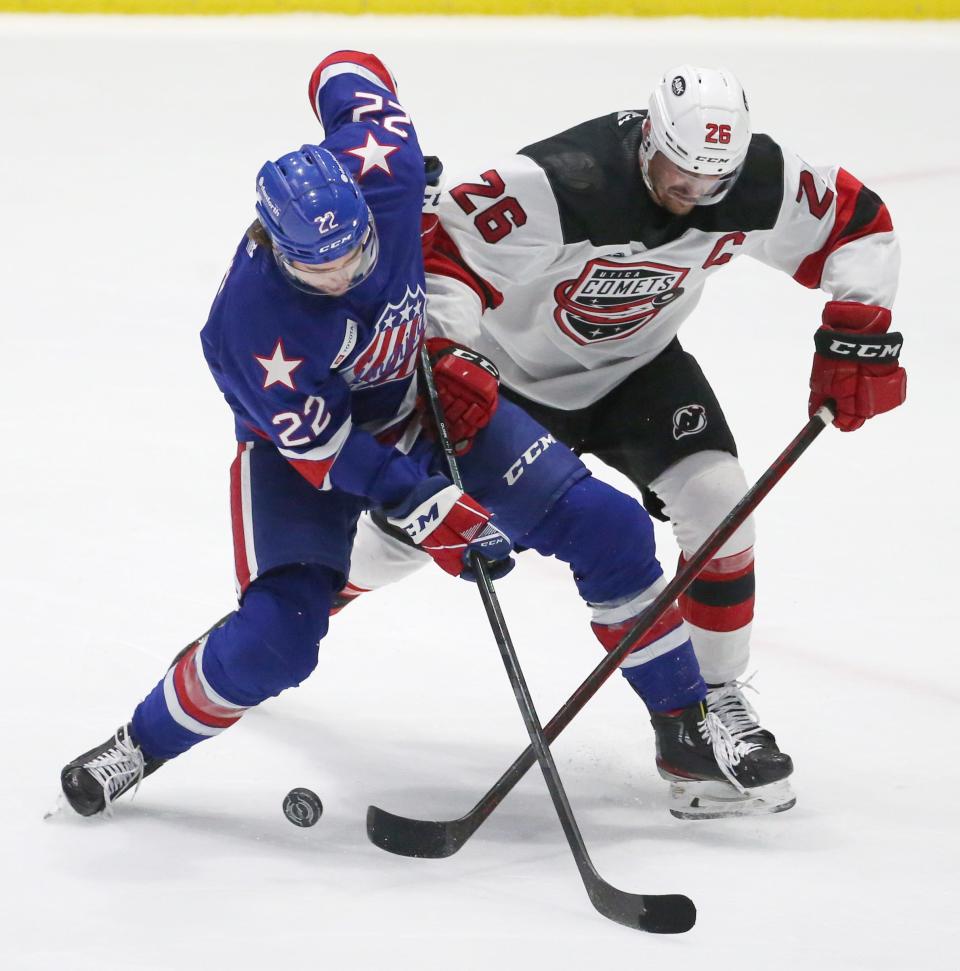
(594, 173)
(755, 199)
(596, 180)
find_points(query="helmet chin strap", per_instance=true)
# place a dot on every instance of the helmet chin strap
(644, 153)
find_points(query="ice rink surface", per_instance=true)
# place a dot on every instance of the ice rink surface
(128, 155)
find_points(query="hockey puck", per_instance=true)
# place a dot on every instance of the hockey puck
(302, 807)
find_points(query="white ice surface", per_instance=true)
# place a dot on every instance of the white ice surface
(127, 155)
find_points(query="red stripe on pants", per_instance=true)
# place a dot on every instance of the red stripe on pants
(193, 697)
(610, 635)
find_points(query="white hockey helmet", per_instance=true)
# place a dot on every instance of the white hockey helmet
(699, 119)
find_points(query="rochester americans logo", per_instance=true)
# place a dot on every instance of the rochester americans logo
(612, 300)
(392, 352)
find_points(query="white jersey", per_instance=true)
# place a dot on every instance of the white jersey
(557, 264)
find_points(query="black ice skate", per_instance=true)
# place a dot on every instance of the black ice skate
(92, 781)
(719, 761)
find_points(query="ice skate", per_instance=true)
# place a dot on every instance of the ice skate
(92, 781)
(719, 761)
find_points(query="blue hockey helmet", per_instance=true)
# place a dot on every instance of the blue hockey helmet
(314, 213)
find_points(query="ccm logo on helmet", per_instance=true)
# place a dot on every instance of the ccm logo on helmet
(336, 244)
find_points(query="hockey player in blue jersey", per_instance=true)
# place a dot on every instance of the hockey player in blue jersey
(314, 339)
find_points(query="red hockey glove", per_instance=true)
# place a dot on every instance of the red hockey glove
(449, 525)
(856, 364)
(467, 386)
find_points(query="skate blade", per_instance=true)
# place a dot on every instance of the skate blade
(62, 807)
(690, 799)
(59, 807)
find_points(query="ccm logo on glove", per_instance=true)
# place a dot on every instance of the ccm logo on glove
(450, 525)
(839, 345)
(856, 364)
(423, 520)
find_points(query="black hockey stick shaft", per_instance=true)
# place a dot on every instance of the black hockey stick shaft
(672, 913)
(435, 838)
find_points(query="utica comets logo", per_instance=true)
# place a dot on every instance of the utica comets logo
(612, 300)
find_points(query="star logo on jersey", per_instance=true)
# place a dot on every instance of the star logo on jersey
(392, 353)
(374, 156)
(612, 300)
(279, 368)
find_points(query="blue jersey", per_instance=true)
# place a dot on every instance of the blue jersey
(323, 377)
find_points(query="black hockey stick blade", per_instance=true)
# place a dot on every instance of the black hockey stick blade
(421, 838)
(670, 913)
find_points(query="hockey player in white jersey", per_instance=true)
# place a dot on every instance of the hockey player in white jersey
(572, 264)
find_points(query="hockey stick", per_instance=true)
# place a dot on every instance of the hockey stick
(441, 838)
(659, 914)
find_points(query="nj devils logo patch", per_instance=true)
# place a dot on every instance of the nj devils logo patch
(391, 354)
(689, 420)
(610, 301)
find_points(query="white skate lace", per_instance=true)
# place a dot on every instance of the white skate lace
(116, 769)
(725, 740)
(738, 716)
